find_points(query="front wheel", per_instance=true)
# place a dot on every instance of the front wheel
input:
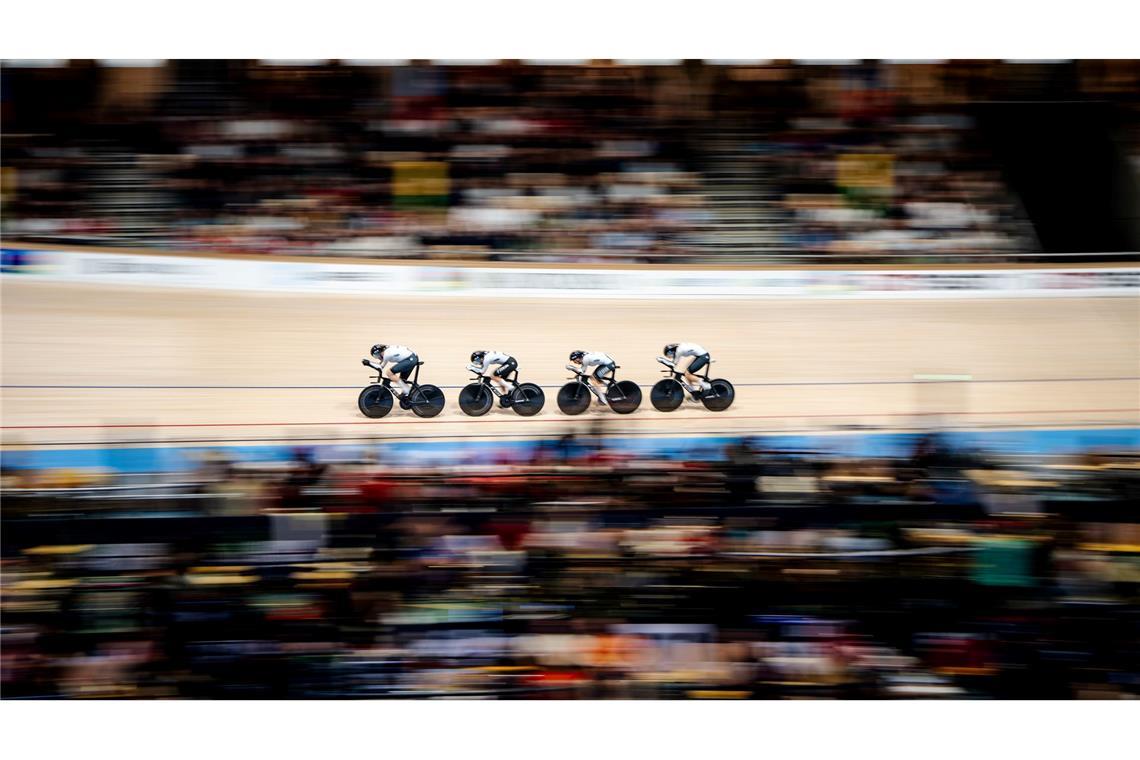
(573, 398)
(375, 401)
(476, 399)
(624, 396)
(426, 401)
(528, 399)
(720, 397)
(666, 395)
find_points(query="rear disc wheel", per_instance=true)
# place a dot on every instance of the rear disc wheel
(720, 397)
(426, 401)
(624, 396)
(528, 399)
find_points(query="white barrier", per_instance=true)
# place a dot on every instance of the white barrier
(470, 281)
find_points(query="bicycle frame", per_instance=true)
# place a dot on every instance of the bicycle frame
(679, 376)
(387, 383)
(584, 379)
(482, 379)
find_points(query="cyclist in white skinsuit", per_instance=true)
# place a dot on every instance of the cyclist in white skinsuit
(484, 363)
(689, 358)
(402, 360)
(602, 365)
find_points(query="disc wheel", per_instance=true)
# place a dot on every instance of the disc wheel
(720, 397)
(573, 398)
(476, 399)
(427, 401)
(528, 399)
(624, 396)
(375, 401)
(666, 395)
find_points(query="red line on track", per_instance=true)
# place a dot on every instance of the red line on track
(417, 421)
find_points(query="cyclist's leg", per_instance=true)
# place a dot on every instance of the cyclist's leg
(401, 371)
(500, 376)
(598, 380)
(390, 376)
(684, 365)
(694, 367)
(491, 376)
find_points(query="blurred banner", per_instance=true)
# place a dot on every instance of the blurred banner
(416, 184)
(328, 276)
(865, 170)
(7, 184)
(1004, 561)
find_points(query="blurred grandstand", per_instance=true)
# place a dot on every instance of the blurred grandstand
(693, 162)
(582, 572)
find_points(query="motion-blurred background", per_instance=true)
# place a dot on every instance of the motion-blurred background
(693, 161)
(578, 565)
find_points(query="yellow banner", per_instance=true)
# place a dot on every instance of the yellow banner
(418, 179)
(866, 170)
(7, 183)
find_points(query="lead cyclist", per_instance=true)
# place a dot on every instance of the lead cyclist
(402, 360)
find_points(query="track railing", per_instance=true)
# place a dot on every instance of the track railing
(150, 241)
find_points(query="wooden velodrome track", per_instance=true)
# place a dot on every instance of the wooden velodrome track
(96, 365)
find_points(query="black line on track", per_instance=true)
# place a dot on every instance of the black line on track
(644, 385)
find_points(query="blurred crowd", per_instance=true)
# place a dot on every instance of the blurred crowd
(579, 570)
(936, 194)
(693, 162)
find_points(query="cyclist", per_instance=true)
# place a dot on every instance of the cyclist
(483, 362)
(402, 360)
(603, 366)
(689, 358)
